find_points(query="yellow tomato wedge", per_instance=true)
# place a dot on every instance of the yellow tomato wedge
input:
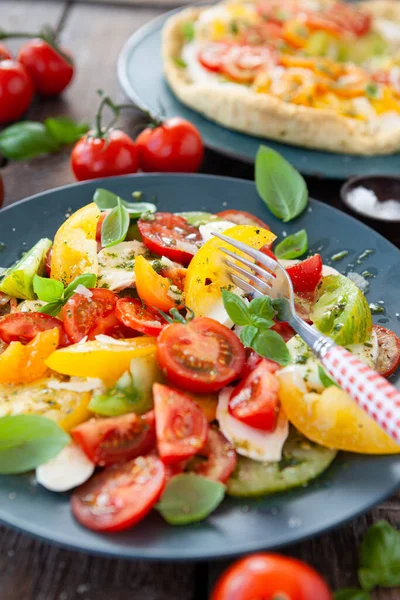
(75, 248)
(152, 287)
(23, 364)
(331, 418)
(208, 274)
(105, 360)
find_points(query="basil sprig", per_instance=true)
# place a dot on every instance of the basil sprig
(27, 441)
(53, 292)
(106, 200)
(115, 226)
(281, 187)
(292, 246)
(257, 320)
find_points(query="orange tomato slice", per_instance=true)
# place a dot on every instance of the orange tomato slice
(24, 364)
(152, 288)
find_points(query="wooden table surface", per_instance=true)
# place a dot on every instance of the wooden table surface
(29, 569)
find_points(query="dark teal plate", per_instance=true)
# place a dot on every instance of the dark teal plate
(141, 76)
(352, 485)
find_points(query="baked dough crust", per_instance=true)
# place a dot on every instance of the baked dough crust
(265, 116)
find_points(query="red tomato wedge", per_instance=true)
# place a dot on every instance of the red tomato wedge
(306, 275)
(181, 426)
(218, 458)
(389, 350)
(200, 356)
(111, 440)
(255, 400)
(254, 359)
(133, 313)
(83, 316)
(171, 236)
(120, 496)
(23, 327)
(241, 217)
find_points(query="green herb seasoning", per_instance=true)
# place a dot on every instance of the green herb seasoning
(376, 309)
(339, 255)
(364, 255)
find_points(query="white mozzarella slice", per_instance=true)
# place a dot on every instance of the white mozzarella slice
(248, 441)
(208, 229)
(70, 468)
(116, 265)
(326, 270)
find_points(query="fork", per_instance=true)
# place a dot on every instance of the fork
(372, 392)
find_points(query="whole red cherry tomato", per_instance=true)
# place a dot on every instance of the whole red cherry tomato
(4, 52)
(175, 146)
(16, 90)
(50, 71)
(114, 154)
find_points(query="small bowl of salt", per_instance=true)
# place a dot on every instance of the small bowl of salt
(375, 197)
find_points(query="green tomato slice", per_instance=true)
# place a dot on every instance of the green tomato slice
(18, 279)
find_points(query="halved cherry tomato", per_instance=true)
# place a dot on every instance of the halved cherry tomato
(23, 327)
(349, 19)
(5, 53)
(133, 313)
(89, 317)
(171, 236)
(306, 275)
(200, 356)
(121, 495)
(255, 400)
(254, 359)
(389, 350)
(217, 460)
(153, 289)
(50, 71)
(177, 275)
(181, 426)
(16, 90)
(211, 54)
(111, 440)
(242, 63)
(241, 217)
(269, 577)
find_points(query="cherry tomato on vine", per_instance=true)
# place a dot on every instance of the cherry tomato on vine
(270, 576)
(5, 53)
(50, 71)
(113, 154)
(16, 90)
(174, 146)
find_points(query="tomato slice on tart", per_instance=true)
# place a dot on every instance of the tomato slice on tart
(200, 356)
(217, 460)
(181, 426)
(389, 350)
(210, 55)
(170, 235)
(121, 495)
(113, 439)
(23, 327)
(133, 313)
(90, 315)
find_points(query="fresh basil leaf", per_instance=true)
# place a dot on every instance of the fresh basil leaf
(65, 130)
(262, 307)
(188, 31)
(87, 279)
(52, 308)
(236, 308)
(261, 323)
(269, 344)
(27, 441)
(325, 379)
(26, 140)
(351, 594)
(247, 335)
(281, 187)
(47, 290)
(115, 226)
(106, 200)
(380, 557)
(179, 62)
(190, 498)
(292, 246)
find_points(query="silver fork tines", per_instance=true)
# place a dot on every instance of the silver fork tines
(263, 287)
(264, 260)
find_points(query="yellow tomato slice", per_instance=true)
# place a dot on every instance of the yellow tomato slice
(23, 364)
(208, 274)
(75, 248)
(331, 418)
(152, 287)
(105, 360)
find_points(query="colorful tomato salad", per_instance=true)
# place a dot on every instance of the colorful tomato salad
(133, 372)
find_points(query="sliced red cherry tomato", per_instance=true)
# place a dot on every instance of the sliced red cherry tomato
(23, 327)
(136, 315)
(16, 90)
(89, 317)
(320, 22)
(254, 359)
(306, 275)
(111, 440)
(210, 55)
(5, 53)
(242, 63)
(218, 458)
(255, 400)
(171, 236)
(241, 217)
(269, 577)
(120, 496)
(200, 356)
(389, 350)
(349, 19)
(262, 33)
(181, 426)
(50, 71)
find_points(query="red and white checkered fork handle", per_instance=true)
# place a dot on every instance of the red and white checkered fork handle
(372, 392)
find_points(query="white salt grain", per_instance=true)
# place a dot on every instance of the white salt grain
(363, 200)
